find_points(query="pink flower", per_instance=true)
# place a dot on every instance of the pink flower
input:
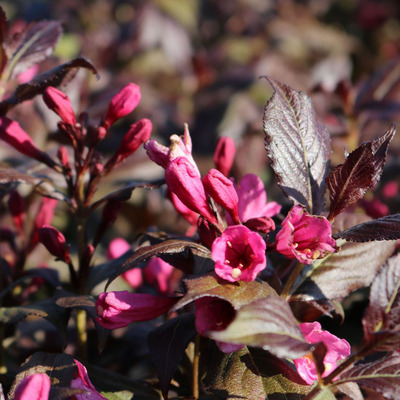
(221, 189)
(33, 387)
(157, 273)
(59, 102)
(253, 199)
(337, 349)
(215, 314)
(183, 180)
(304, 236)
(239, 254)
(390, 189)
(224, 155)
(117, 248)
(15, 136)
(54, 241)
(119, 309)
(83, 382)
(123, 103)
(137, 134)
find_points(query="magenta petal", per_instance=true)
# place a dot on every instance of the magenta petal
(33, 387)
(158, 273)
(183, 180)
(119, 309)
(83, 382)
(59, 102)
(224, 155)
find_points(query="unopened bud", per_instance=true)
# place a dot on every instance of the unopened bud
(224, 155)
(54, 241)
(59, 102)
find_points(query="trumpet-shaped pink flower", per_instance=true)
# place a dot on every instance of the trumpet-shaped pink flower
(221, 189)
(239, 254)
(183, 180)
(59, 102)
(33, 387)
(304, 236)
(337, 349)
(123, 103)
(224, 155)
(253, 199)
(119, 309)
(83, 382)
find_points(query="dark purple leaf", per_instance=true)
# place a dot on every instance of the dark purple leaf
(349, 181)
(167, 345)
(379, 86)
(298, 146)
(3, 34)
(353, 267)
(53, 77)
(385, 228)
(382, 375)
(237, 293)
(381, 321)
(33, 45)
(251, 374)
(179, 248)
(379, 150)
(267, 323)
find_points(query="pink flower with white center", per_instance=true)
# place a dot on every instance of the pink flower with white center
(253, 199)
(239, 254)
(119, 309)
(304, 236)
(33, 387)
(83, 382)
(337, 349)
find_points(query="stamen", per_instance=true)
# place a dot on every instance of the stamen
(229, 243)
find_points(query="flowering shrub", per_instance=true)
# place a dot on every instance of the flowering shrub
(229, 304)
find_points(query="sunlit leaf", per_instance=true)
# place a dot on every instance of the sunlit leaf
(298, 146)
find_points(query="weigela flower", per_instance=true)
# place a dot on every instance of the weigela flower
(224, 155)
(337, 349)
(239, 254)
(304, 236)
(119, 309)
(33, 387)
(59, 102)
(215, 314)
(183, 180)
(158, 272)
(54, 241)
(83, 382)
(123, 103)
(253, 199)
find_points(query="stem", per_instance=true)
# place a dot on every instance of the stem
(3, 366)
(196, 360)
(82, 334)
(291, 280)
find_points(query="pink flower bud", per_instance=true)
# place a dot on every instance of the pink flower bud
(119, 309)
(138, 133)
(337, 349)
(123, 103)
(157, 152)
(59, 102)
(304, 236)
(54, 241)
(83, 382)
(17, 209)
(183, 180)
(33, 387)
(260, 224)
(15, 136)
(221, 189)
(224, 155)
(158, 273)
(390, 189)
(239, 254)
(64, 158)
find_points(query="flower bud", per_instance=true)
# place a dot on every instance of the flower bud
(59, 102)
(260, 224)
(123, 103)
(221, 189)
(54, 241)
(15, 136)
(64, 158)
(224, 155)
